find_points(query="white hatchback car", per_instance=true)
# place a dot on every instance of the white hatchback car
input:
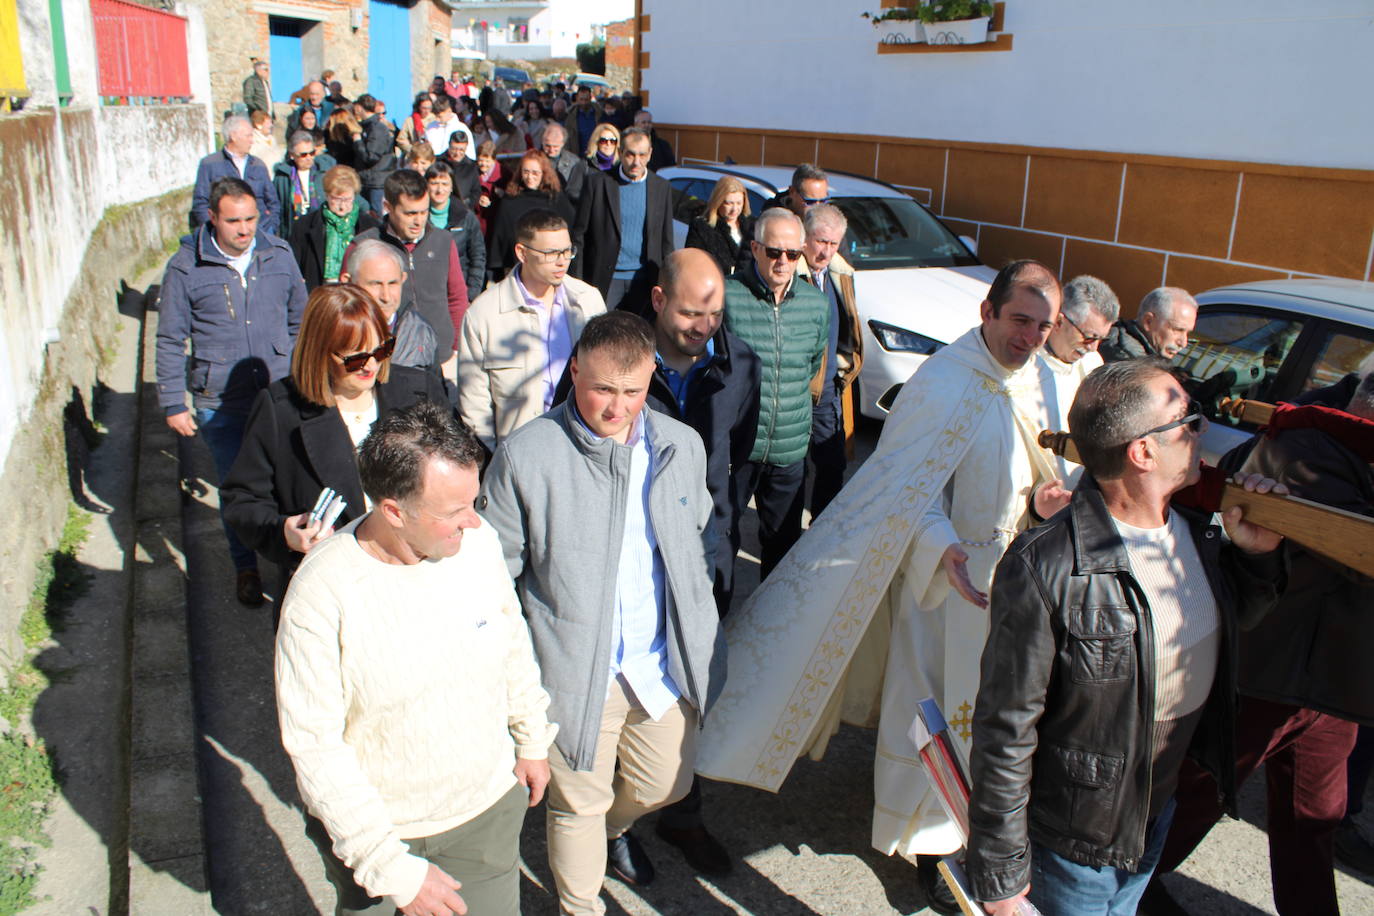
(918, 285)
(1276, 340)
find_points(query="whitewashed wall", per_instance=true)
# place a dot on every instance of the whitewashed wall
(1253, 80)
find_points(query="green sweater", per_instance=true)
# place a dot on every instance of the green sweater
(790, 340)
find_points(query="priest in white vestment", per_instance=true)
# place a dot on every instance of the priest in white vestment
(1087, 314)
(909, 544)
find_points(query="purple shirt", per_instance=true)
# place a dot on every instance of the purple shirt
(554, 331)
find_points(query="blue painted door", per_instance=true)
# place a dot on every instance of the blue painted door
(284, 48)
(388, 57)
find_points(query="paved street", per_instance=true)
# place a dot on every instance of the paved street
(803, 851)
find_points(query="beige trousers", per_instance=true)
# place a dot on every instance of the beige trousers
(586, 808)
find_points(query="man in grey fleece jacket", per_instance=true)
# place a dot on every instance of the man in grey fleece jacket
(605, 520)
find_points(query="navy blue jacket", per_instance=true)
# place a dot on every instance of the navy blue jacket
(218, 165)
(241, 329)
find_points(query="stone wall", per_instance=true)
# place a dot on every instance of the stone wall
(239, 32)
(58, 282)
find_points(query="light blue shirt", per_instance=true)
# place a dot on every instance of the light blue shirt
(241, 262)
(554, 331)
(639, 636)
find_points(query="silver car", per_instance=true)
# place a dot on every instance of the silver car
(1276, 340)
(917, 285)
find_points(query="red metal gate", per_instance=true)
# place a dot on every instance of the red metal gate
(141, 52)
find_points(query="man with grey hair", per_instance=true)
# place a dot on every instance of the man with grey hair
(257, 89)
(905, 553)
(1161, 327)
(378, 267)
(235, 161)
(572, 168)
(1085, 318)
(416, 725)
(1108, 657)
(832, 415)
(787, 323)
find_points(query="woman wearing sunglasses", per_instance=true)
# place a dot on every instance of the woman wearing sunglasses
(304, 431)
(603, 149)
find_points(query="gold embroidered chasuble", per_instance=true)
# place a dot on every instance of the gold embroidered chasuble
(956, 462)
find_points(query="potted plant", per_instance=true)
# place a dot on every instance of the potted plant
(956, 22)
(900, 25)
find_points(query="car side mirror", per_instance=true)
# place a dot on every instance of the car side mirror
(972, 245)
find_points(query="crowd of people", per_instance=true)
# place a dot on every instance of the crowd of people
(463, 359)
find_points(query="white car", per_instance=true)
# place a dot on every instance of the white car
(918, 285)
(1276, 340)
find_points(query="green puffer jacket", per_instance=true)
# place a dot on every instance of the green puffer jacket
(790, 340)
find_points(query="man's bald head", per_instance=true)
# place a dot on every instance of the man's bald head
(315, 92)
(689, 304)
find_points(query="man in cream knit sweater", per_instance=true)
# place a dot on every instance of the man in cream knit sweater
(417, 726)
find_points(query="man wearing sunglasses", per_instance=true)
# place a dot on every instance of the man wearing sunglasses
(809, 187)
(909, 544)
(1070, 353)
(787, 323)
(1109, 658)
(1303, 678)
(518, 336)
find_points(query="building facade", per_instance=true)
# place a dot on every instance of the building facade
(531, 29)
(1175, 142)
(391, 48)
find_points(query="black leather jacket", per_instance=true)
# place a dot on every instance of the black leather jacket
(1062, 732)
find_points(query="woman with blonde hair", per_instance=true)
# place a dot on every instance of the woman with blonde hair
(603, 149)
(304, 431)
(264, 143)
(726, 227)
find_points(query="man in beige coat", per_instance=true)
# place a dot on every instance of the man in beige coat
(518, 335)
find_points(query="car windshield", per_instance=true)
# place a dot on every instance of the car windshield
(886, 232)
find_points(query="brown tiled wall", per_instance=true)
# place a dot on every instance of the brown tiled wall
(1136, 221)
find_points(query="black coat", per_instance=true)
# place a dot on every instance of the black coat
(716, 241)
(501, 236)
(596, 234)
(1310, 651)
(292, 449)
(307, 241)
(465, 179)
(1061, 726)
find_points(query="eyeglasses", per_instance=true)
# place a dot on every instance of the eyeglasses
(356, 361)
(611, 140)
(792, 254)
(1087, 338)
(812, 201)
(553, 255)
(1193, 420)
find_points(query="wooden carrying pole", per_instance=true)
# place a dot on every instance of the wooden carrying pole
(1257, 412)
(1346, 537)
